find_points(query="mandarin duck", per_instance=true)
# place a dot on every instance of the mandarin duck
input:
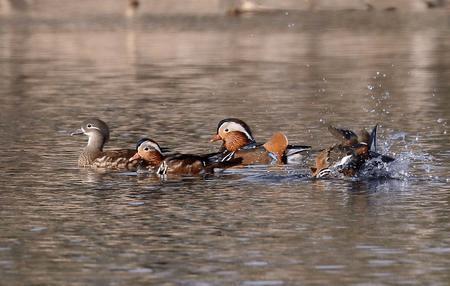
(154, 161)
(349, 156)
(238, 142)
(93, 154)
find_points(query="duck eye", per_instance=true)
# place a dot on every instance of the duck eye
(226, 130)
(89, 125)
(146, 149)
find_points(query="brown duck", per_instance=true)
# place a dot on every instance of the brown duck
(93, 154)
(154, 161)
(348, 156)
(238, 142)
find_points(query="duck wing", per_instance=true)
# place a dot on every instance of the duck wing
(277, 145)
(347, 137)
(116, 159)
(295, 149)
(196, 164)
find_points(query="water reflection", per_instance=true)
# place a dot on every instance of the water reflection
(174, 81)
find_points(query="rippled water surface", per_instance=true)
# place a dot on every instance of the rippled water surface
(174, 78)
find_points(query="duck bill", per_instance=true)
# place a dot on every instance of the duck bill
(135, 157)
(77, 132)
(215, 138)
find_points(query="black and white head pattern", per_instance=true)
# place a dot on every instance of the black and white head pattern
(147, 145)
(234, 124)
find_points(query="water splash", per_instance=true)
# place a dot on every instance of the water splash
(409, 163)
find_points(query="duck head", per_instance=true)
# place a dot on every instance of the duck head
(234, 133)
(97, 131)
(149, 151)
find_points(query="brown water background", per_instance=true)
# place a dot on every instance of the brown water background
(173, 78)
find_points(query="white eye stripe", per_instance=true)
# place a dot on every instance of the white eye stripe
(92, 127)
(233, 126)
(151, 145)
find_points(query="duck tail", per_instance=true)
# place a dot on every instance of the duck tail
(372, 145)
(295, 149)
(222, 165)
(277, 145)
(373, 139)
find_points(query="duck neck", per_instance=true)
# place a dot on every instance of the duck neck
(235, 141)
(95, 143)
(93, 150)
(154, 158)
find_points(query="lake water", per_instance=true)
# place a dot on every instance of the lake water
(173, 79)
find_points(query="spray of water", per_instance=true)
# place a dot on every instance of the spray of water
(410, 163)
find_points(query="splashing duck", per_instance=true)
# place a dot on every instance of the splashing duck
(349, 156)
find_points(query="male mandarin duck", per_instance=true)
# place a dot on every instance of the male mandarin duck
(349, 156)
(154, 161)
(93, 154)
(238, 142)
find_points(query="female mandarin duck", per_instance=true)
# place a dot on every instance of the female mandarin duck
(238, 142)
(154, 161)
(93, 154)
(349, 156)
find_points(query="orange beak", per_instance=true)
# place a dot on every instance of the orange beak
(215, 138)
(135, 157)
